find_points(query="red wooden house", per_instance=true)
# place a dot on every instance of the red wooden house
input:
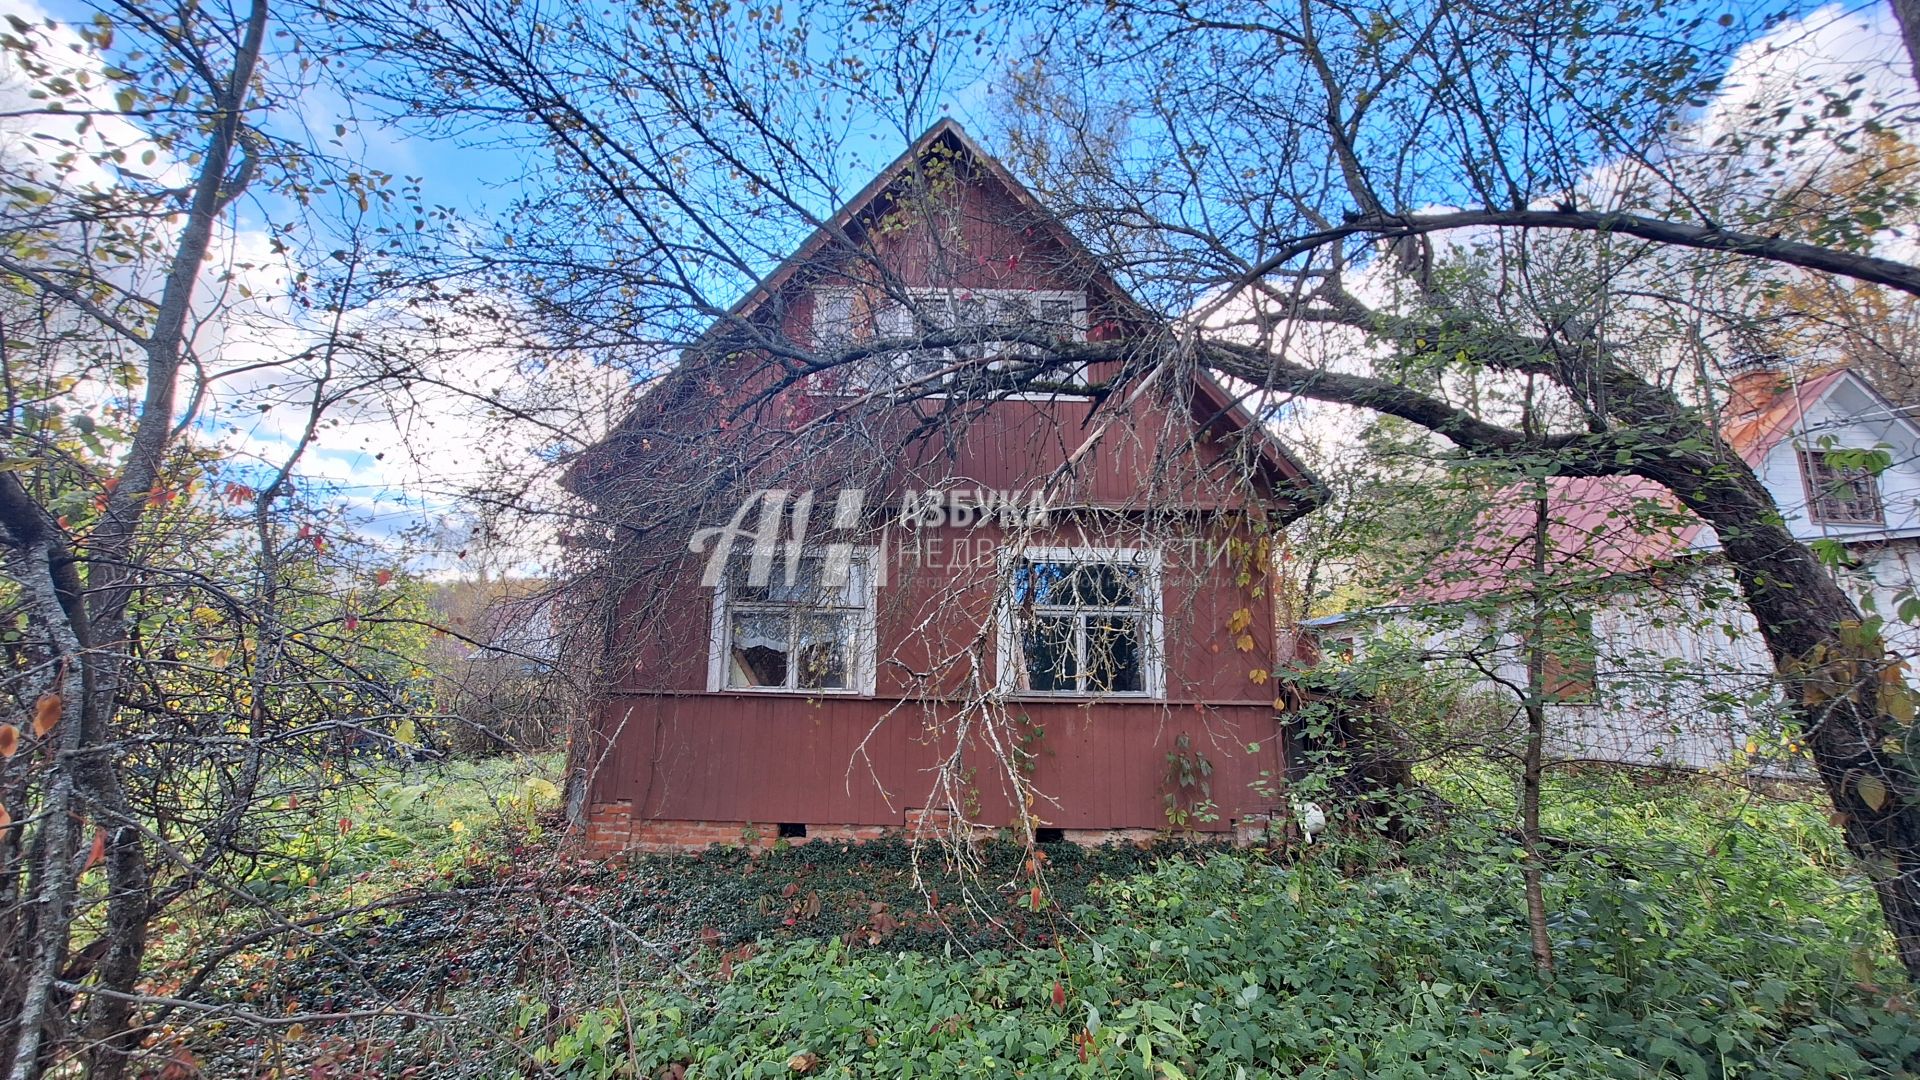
(936, 526)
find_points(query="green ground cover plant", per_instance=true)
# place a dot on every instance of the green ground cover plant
(1353, 961)
(1702, 929)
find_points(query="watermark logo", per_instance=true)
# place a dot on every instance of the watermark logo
(770, 542)
(947, 531)
(965, 508)
(774, 525)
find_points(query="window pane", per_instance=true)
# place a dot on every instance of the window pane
(760, 646)
(1106, 585)
(1057, 316)
(1048, 648)
(832, 319)
(1841, 493)
(1058, 584)
(808, 585)
(1113, 655)
(823, 657)
(1043, 583)
(1011, 311)
(971, 316)
(914, 365)
(893, 321)
(799, 584)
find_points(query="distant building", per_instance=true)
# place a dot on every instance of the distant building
(1662, 663)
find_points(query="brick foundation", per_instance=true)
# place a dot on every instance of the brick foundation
(609, 827)
(1254, 830)
(611, 830)
(1097, 837)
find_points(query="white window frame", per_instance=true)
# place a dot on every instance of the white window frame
(1820, 502)
(1009, 657)
(865, 651)
(925, 298)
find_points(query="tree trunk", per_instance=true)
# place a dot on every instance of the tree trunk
(1533, 759)
(45, 930)
(1907, 14)
(85, 777)
(1831, 672)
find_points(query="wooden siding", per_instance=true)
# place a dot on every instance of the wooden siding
(770, 759)
(679, 752)
(664, 748)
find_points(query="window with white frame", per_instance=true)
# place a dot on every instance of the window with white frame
(840, 319)
(1083, 621)
(806, 627)
(1843, 488)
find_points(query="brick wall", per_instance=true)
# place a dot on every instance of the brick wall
(611, 830)
(609, 827)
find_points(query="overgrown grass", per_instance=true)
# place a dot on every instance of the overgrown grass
(406, 824)
(387, 834)
(1700, 930)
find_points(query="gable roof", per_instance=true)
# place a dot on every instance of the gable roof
(1591, 534)
(946, 133)
(1216, 409)
(1591, 521)
(1767, 407)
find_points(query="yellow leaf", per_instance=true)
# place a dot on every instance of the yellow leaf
(1245, 644)
(1897, 702)
(1259, 676)
(404, 732)
(1873, 791)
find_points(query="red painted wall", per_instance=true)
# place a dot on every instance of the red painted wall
(666, 749)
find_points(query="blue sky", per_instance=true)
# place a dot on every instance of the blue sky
(480, 183)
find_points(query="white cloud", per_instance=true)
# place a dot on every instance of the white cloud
(412, 431)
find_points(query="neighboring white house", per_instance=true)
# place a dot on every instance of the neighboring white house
(1657, 660)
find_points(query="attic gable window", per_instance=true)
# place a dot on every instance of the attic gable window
(1082, 622)
(1842, 489)
(809, 632)
(843, 317)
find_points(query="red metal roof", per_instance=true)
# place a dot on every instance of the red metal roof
(1600, 526)
(1767, 406)
(1596, 526)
